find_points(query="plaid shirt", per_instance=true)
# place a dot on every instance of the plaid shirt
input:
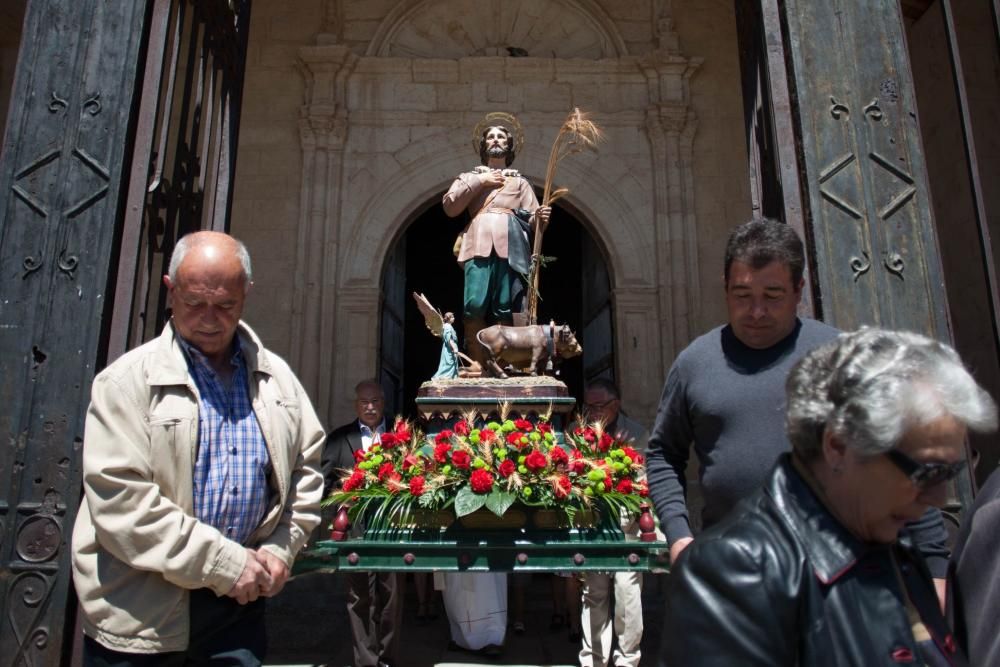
(231, 490)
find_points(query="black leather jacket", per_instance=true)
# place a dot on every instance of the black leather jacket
(780, 582)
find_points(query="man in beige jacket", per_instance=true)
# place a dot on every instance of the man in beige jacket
(201, 478)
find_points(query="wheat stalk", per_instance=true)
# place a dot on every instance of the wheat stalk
(578, 133)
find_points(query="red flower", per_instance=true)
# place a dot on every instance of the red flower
(514, 439)
(578, 466)
(402, 433)
(359, 456)
(480, 480)
(387, 440)
(417, 485)
(523, 425)
(462, 427)
(607, 483)
(562, 487)
(643, 489)
(384, 470)
(604, 444)
(535, 461)
(461, 459)
(355, 481)
(441, 452)
(507, 468)
(558, 456)
(487, 436)
(624, 486)
(443, 437)
(544, 427)
(587, 434)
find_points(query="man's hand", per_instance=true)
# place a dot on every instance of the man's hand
(252, 581)
(542, 214)
(492, 179)
(278, 571)
(677, 547)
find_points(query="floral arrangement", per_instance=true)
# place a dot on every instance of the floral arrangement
(501, 463)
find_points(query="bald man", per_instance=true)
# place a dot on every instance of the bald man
(201, 478)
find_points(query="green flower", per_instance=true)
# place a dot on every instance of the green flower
(526, 491)
(493, 426)
(508, 426)
(534, 437)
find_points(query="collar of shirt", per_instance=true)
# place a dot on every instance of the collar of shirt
(196, 358)
(368, 436)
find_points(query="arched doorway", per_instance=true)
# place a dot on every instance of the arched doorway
(575, 289)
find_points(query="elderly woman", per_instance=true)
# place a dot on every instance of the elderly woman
(816, 568)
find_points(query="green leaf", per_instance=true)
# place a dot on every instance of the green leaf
(467, 501)
(498, 501)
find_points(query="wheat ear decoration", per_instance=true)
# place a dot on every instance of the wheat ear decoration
(577, 133)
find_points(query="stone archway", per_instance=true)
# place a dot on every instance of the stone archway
(381, 134)
(421, 260)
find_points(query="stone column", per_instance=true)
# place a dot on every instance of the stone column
(323, 132)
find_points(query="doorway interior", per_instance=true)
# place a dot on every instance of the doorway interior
(574, 289)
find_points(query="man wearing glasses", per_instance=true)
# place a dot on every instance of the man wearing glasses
(725, 393)
(374, 600)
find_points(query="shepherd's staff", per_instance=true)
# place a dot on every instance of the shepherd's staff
(576, 134)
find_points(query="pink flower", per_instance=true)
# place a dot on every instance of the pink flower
(481, 481)
(535, 461)
(461, 459)
(395, 482)
(417, 485)
(409, 461)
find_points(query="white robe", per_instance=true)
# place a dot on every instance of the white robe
(476, 603)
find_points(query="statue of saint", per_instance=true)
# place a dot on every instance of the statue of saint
(494, 249)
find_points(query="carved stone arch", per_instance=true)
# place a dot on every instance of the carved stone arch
(449, 29)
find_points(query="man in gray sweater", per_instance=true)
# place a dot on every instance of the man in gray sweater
(725, 393)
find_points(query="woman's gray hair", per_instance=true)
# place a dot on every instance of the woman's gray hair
(189, 241)
(871, 386)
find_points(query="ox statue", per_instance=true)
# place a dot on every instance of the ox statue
(529, 346)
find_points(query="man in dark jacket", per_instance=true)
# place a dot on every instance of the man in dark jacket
(374, 600)
(974, 578)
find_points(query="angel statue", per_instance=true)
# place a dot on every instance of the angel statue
(440, 325)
